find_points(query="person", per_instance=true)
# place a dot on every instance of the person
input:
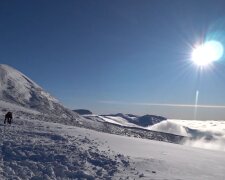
(8, 118)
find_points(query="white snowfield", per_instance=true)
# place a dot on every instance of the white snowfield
(33, 149)
(37, 146)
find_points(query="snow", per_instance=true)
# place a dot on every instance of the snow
(33, 149)
(126, 120)
(18, 89)
(9, 75)
(48, 141)
(38, 150)
(6, 106)
(118, 120)
(20, 83)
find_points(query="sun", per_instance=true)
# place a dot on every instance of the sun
(207, 53)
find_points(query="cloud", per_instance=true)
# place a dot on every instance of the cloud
(203, 134)
(161, 104)
(169, 127)
(216, 144)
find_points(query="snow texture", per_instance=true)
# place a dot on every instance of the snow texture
(17, 88)
(33, 149)
(47, 141)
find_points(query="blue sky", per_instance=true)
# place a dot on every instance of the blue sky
(117, 56)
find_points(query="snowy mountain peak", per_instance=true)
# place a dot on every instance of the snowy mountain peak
(11, 73)
(17, 88)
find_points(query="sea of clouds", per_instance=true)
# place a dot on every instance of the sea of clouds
(208, 134)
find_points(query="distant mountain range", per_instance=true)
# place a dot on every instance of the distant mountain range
(122, 119)
(144, 121)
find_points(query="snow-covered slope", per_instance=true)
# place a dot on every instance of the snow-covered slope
(48, 141)
(27, 100)
(33, 149)
(18, 89)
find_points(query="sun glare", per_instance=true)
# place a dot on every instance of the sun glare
(207, 53)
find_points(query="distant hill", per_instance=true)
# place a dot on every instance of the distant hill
(128, 120)
(148, 120)
(82, 111)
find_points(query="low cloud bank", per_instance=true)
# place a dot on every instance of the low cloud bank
(203, 134)
(218, 144)
(169, 127)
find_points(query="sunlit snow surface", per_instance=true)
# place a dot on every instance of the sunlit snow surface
(33, 149)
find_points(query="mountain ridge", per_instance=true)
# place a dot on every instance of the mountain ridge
(18, 89)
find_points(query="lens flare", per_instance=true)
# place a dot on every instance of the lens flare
(207, 53)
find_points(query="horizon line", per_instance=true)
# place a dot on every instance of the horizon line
(162, 104)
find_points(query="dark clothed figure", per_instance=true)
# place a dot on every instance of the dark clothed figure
(8, 118)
